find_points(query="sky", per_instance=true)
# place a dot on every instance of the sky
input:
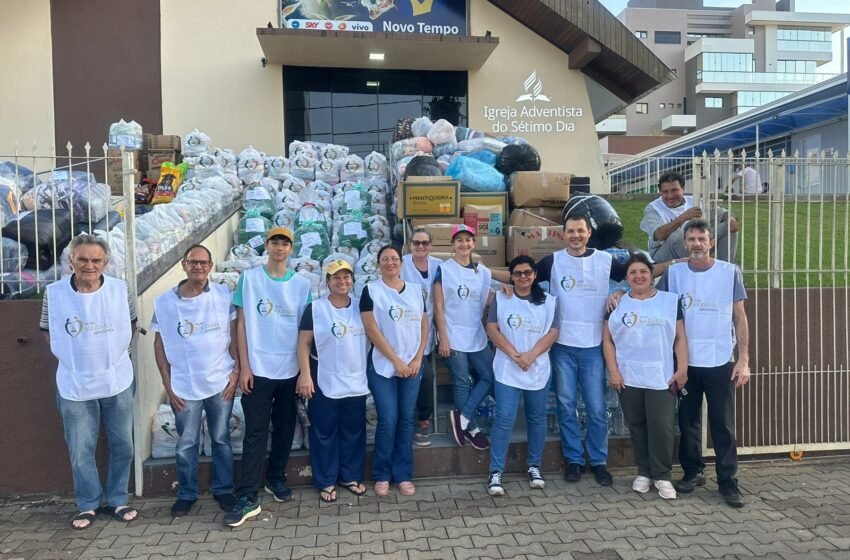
(830, 6)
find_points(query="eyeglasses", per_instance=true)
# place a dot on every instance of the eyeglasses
(520, 273)
(194, 263)
(417, 243)
(388, 260)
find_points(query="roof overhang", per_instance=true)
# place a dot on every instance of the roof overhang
(603, 48)
(352, 49)
(800, 19)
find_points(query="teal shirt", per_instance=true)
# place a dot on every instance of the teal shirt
(237, 294)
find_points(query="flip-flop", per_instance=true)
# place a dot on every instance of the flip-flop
(354, 487)
(331, 495)
(382, 488)
(119, 512)
(407, 488)
(84, 516)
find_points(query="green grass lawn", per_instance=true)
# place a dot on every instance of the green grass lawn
(810, 233)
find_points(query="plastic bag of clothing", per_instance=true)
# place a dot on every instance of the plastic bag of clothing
(411, 147)
(277, 167)
(339, 256)
(108, 222)
(512, 140)
(126, 134)
(376, 165)
(371, 248)
(297, 148)
(352, 231)
(422, 166)
(367, 265)
(361, 281)
(351, 252)
(327, 170)
(352, 200)
(605, 224)
(311, 241)
(252, 230)
(257, 197)
(310, 213)
(444, 162)
(19, 178)
(164, 433)
(518, 157)
(476, 176)
(463, 133)
(14, 285)
(8, 204)
(487, 157)
(88, 200)
(444, 150)
(44, 233)
(208, 165)
(333, 152)
(442, 132)
(353, 168)
(481, 143)
(421, 126)
(271, 185)
(284, 218)
(303, 167)
(250, 166)
(13, 255)
(292, 184)
(379, 229)
(227, 158)
(287, 200)
(196, 143)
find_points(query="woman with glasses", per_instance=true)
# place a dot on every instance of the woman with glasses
(521, 328)
(393, 313)
(332, 348)
(419, 267)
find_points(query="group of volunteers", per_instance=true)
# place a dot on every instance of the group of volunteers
(275, 344)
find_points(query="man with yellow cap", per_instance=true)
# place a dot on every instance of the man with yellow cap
(270, 301)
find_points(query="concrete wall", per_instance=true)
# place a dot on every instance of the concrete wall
(212, 78)
(500, 82)
(26, 97)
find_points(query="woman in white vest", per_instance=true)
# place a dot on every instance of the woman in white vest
(419, 267)
(89, 325)
(393, 313)
(461, 292)
(332, 348)
(521, 328)
(647, 358)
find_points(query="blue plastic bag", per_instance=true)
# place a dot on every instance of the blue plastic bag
(475, 175)
(487, 157)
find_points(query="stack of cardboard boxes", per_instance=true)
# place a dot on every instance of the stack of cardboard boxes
(534, 226)
(156, 150)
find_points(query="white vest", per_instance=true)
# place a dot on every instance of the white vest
(523, 324)
(341, 345)
(196, 335)
(399, 318)
(581, 286)
(669, 214)
(272, 313)
(90, 336)
(707, 298)
(643, 333)
(465, 293)
(410, 274)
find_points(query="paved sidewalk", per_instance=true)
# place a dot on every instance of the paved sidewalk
(793, 511)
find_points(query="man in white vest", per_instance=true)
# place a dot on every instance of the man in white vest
(195, 349)
(712, 294)
(270, 301)
(665, 217)
(89, 324)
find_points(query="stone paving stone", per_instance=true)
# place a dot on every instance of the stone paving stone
(603, 555)
(490, 551)
(201, 547)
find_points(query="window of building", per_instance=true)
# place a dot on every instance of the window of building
(678, 105)
(746, 100)
(668, 37)
(641, 34)
(811, 39)
(714, 102)
(796, 66)
(642, 108)
(661, 105)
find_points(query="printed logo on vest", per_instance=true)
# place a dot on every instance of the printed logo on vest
(265, 307)
(630, 319)
(338, 329)
(687, 300)
(462, 292)
(514, 321)
(185, 328)
(395, 312)
(568, 283)
(690, 302)
(74, 327)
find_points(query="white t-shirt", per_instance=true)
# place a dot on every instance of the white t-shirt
(750, 181)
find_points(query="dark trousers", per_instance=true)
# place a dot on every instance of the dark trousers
(337, 438)
(650, 415)
(425, 401)
(270, 400)
(719, 390)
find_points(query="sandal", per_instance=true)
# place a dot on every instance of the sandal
(355, 487)
(328, 495)
(89, 516)
(382, 488)
(407, 488)
(119, 513)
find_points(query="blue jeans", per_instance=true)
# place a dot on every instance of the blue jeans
(81, 422)
(467, 399)
(395, 402)
(507, 401)
(189, 429)
(337, 438)
(584, 367)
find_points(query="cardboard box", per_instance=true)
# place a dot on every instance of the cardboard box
(535, 241)
(491, 250)
(439, 228)
(153, 159)
(153, 175)
(524, 218)
(160, 142)
(114, 165)
(486, 199)
(485, 219)
(429, 197)
(538, 188)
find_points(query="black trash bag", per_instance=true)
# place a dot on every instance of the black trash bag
(605, 225)
(518, 157)
(41, 248)
(111, 219)
(423, 166)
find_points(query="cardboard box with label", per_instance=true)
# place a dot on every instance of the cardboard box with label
(489, 250)
(439, 228)
(485, 219)
(429, 197)
(528, 217)
(114, 165)
(153, 159)
(538, 188)
(160, 142)
(486, 199)
(535, 241)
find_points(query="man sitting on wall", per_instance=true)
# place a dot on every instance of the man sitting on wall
(664, 221)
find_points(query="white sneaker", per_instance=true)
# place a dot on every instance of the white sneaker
(494, 484)
(535, 478)
(641, 484)
(665, 489)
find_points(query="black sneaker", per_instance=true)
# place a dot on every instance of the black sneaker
(244, 508)
(457, 431)
(225, 501)
(181, 507)
(573, 472)
(689, 482)
(602, 476)
(535, 478)
(494, 484)
(279, 490)
(732, 496)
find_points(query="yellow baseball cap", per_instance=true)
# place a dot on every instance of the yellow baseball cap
(279, 230)
(335, 266)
